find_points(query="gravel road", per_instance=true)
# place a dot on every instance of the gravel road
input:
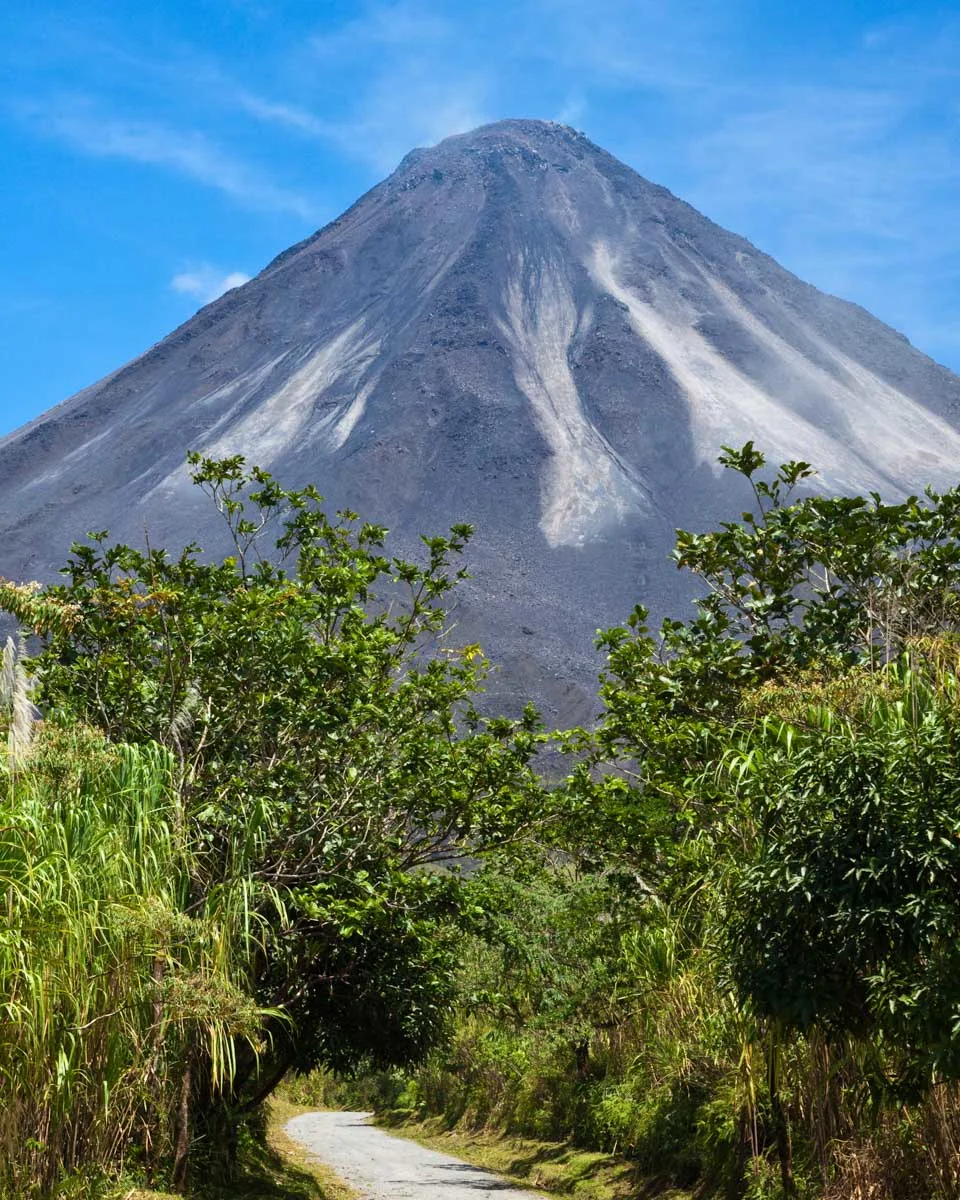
(381, 1167)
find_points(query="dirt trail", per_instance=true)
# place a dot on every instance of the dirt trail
(381, 1167)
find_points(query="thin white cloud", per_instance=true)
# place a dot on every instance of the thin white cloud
(206, 282)
(848, 159)
(291, 116)
(185, 152)
(406, 106)
(825, 149)
(862, 177)
(383, 130)
(842, 159)
(637, 44)
(399, 25)
(411, 76)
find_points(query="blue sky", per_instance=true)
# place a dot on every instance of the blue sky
(155, 152)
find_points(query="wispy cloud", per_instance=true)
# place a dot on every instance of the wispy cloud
(851, 182)
(401, 24)
(206, 282)
(830, 151)
(406, 106)
(412, 75)
(291, 116)
(383, 130)
(837, 149)
(188, 153)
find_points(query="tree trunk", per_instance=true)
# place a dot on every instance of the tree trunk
(181, 1157)
(781, 1123)
(735, 1182)
(581, 1053)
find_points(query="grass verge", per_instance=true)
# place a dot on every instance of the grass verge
(554, 1167)
(279, 1170)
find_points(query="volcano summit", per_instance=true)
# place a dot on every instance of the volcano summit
(515, 330)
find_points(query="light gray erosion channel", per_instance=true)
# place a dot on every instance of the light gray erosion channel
(381, 1167)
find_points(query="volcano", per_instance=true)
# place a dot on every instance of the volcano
(516, 330)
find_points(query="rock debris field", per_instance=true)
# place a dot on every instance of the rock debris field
(381, 1167)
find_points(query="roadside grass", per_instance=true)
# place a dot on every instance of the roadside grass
(554, 1167)
(295, 1160)
(279, 1170)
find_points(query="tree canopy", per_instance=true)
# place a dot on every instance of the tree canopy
(330, 757)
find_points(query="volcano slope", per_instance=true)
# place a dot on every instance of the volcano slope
(518, 331)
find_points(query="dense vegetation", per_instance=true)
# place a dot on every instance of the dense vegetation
(738, 961)
(723, 938)
(323, 768)
(95, 1021)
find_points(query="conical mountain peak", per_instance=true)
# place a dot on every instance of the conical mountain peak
(516, 147)
(516, 330)
(510, 136)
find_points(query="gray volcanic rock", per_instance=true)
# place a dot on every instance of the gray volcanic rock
(515, 330)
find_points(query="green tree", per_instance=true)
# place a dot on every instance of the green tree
(817, 582)
(330, 760)
(802, 592)
(846, 917)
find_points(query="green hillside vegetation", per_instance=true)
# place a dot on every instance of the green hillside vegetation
(722, 941)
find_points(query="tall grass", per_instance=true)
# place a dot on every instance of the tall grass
(105, 982)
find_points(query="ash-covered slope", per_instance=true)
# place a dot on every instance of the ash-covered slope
(515, 330)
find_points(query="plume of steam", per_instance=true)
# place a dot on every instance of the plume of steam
(16, 687)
